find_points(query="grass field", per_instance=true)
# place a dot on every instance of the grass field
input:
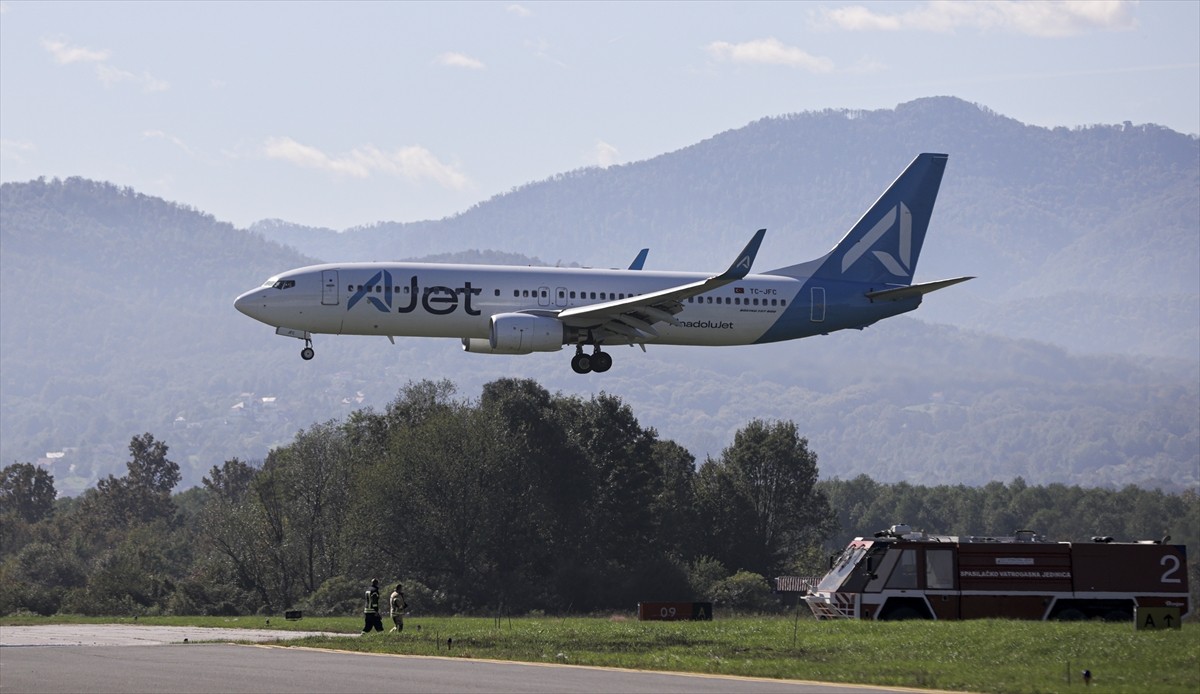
(983, 655)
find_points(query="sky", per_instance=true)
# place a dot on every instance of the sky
(344, 114)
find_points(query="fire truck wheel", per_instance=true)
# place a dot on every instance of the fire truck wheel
(1117, 616)
(901, 613)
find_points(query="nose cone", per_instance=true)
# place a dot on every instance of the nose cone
(252, 303)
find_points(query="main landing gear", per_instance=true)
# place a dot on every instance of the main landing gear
(596, 361)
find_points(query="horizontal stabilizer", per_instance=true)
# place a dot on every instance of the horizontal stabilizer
(913, 290)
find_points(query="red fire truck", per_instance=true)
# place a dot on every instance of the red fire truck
(902, 574)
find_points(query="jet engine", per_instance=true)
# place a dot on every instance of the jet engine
(519, 333)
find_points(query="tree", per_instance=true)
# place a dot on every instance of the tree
(232, 481)
(614, 516)
(674, 505)
(27, 491)
(314, 479)
(144, 493)
(763, 499)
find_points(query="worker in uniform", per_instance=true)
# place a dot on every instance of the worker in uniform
(397, 605)
(371, 619)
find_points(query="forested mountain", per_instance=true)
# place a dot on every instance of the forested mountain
(116, 312)
(1088, 238)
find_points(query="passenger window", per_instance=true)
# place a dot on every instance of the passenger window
(525, 293)
(516, 293)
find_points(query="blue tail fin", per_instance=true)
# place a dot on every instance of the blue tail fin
(883, 247)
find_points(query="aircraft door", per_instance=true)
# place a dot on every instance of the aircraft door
(543, 296)
(560, 297)
(818, 304)
(329, 287)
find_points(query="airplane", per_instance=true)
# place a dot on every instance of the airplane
(520, 310)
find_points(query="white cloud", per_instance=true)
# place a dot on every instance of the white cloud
(605, 155)
(15, 150)
(459, 60)
(150, 83)
(65, 54)
(108, 74)
(414, 163)
(1049, 18)
(519, 10)
(768, 52)
(160, 135)
(541, 50)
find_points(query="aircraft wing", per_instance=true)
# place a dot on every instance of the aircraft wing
(632, 319)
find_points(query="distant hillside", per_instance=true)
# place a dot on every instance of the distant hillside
(116, 318)
(1088, 238)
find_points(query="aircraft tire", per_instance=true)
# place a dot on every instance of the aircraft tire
(581, 363)
(307, 353)
(601, 362)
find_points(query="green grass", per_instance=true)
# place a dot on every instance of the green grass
(982, 655)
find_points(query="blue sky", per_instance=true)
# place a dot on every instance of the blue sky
(340, 114)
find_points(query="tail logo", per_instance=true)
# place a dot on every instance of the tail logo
(900, 266)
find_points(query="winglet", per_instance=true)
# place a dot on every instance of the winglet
(741, 267)
(640, 260)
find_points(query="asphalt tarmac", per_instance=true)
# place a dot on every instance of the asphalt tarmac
(110, 658)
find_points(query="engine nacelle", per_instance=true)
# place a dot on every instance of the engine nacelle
(519, 333)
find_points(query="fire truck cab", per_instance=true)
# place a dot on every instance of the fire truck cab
(903, 574)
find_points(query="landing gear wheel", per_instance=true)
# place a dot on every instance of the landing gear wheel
(581, 363)
(601, 361)
(307, 353)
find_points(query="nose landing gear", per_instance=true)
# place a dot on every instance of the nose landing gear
(307, 353)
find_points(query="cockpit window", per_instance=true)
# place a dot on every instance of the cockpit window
(284, 284)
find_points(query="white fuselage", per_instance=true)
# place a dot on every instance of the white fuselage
(426, 300)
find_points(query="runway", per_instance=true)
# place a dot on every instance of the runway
(32, 663)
